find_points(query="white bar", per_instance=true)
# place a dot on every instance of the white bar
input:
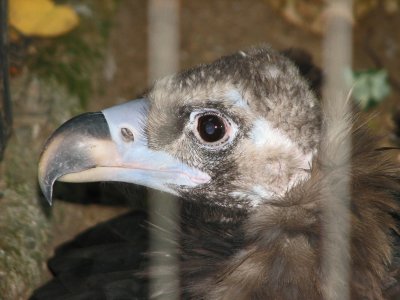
(163, 59)
(337, 115)
(163, 20)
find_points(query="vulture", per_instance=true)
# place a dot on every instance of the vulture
(238, 142)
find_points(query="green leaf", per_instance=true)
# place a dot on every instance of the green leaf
(370, 87)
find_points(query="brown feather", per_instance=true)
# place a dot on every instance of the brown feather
(281, 256)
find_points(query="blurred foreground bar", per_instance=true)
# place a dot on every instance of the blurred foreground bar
(337, 54)
(163, 47)
(5, 100)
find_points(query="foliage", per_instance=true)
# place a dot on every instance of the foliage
(72, 59)
(370, 87)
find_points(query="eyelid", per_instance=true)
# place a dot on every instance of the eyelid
(201, 112)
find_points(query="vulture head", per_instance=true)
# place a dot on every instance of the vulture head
(233, 133)
(243, 133)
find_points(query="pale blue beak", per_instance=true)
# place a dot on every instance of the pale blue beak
(112, 146)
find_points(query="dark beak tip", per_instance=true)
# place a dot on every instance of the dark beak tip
(47, 191)
(61, 154)
(49, 198)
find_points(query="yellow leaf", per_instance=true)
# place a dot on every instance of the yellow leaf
(41, 17)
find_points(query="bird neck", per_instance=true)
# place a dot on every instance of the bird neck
(204, 213)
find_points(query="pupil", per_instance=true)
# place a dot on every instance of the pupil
(211, 128)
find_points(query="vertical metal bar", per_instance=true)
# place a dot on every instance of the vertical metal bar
(337, 115)
(6, 106)
(163, 38)
(163, 18)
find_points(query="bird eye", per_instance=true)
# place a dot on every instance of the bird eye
(211, 128)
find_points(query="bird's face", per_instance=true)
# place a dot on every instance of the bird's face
(237, 132)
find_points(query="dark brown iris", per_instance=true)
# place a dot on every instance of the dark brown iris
(211, 128)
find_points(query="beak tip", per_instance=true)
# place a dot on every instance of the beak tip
(47, 191)
(63, 154)
(49, 200)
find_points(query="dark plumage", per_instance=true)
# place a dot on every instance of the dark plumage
(251, 223)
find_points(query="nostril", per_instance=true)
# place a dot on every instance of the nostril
(127, 134)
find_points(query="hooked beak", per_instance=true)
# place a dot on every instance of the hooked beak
(112, 146)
